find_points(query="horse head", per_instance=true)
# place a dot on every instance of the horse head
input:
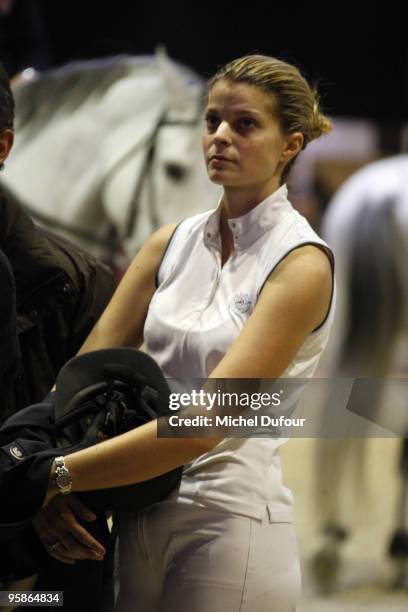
(111, 146)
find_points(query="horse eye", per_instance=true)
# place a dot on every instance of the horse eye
(175, 171)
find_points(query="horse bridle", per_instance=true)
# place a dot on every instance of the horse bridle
(146, 174)
(112, 243)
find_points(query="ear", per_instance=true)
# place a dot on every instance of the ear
(6, 142)
(181, 90)
(293, 145)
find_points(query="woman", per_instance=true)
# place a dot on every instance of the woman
(245, 291)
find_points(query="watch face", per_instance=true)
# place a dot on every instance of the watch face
(63, 480)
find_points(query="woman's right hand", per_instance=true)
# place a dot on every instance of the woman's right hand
(62, 535)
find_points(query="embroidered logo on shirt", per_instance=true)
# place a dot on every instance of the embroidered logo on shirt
(241, 302)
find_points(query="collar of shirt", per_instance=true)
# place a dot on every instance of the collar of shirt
(249, 227)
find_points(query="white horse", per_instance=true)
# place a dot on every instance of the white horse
(366, 224)
(111, 147)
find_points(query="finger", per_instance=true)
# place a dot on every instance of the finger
(79, 532)
(42, 530)
(61, 557)
(57, 551)
(74, 552)
(72, 549)
(80, 510)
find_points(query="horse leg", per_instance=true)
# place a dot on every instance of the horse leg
(398, 547)
(340, 467)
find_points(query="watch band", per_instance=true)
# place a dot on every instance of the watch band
(63, 479)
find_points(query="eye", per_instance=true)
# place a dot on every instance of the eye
(246, 122)
(211, 121)
(175, 171)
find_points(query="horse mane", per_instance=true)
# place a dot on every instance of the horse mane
(70, 85)
(67, 87)
(376, 303)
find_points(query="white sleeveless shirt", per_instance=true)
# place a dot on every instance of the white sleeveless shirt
(196, 313)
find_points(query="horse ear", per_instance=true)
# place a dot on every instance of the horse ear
(182, 88)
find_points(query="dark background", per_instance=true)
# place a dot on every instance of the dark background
(360, 59)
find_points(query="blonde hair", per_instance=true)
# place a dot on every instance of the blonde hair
(295, 103)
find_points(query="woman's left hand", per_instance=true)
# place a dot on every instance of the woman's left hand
(62, 535)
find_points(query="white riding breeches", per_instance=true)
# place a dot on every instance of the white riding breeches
(181, 558)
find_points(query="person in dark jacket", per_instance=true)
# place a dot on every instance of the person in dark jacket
(52, 295)
(59, 293)
(52, 292)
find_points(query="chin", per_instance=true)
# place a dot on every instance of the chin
(218, 178)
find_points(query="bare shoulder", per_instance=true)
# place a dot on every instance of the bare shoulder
(309, 262)
(159, 240)
(305, 277)
(149, 257)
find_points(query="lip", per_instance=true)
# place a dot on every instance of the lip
(220, 158)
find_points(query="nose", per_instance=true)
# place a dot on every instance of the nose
(222, 133)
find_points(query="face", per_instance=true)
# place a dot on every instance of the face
(244, 146)
(6, 142)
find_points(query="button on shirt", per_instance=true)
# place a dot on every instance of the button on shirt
(195, 315)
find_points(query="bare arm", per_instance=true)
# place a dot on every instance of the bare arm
(122, 322)
(293, 302)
